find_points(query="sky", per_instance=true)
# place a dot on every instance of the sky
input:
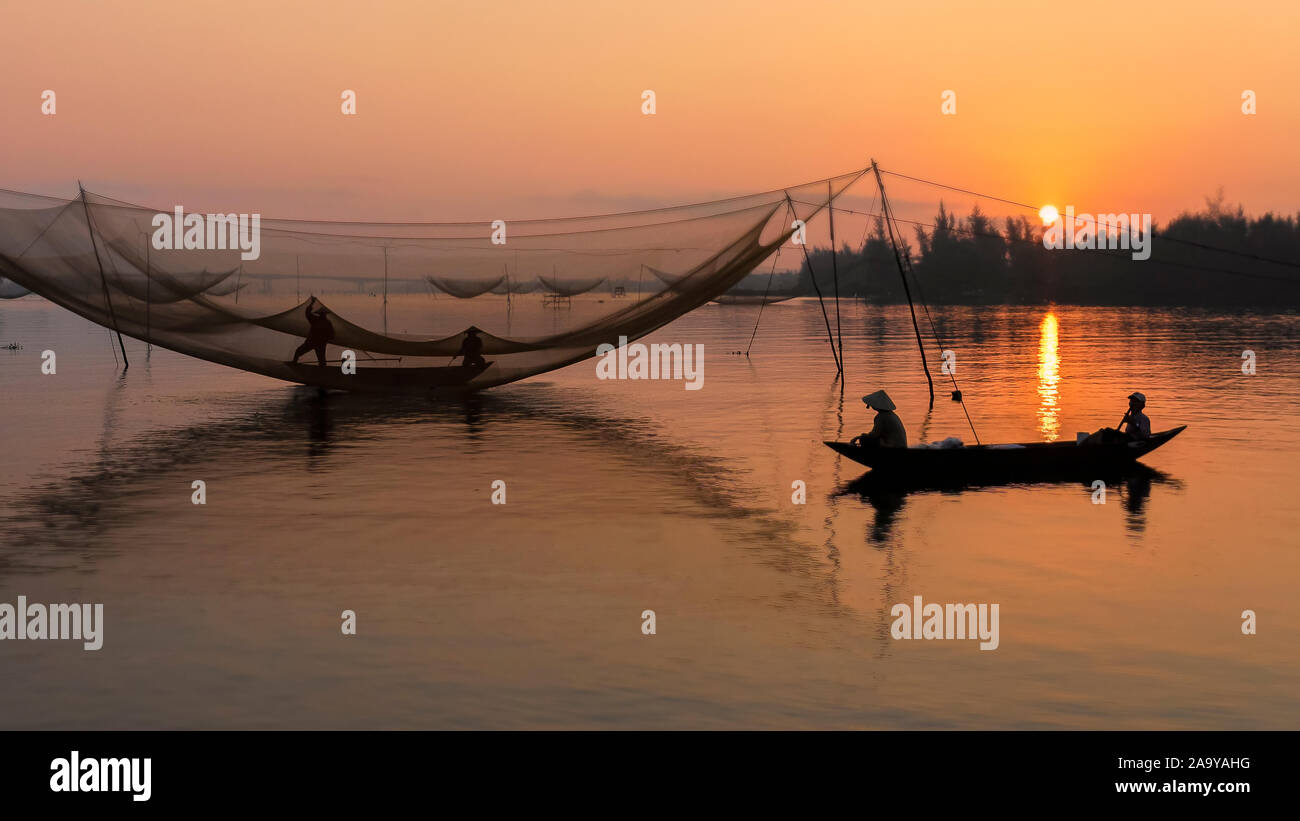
(497, 110)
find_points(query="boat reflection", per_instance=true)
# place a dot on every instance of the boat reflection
(73, 517)
(888, 495)
(1049, 374)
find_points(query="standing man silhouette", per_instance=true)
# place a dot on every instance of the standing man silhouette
(320, 334)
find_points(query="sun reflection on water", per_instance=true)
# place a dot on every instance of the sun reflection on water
(1049, 373)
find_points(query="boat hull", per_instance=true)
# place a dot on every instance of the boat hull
(751, 299)
(1031, 460)
(385, 379)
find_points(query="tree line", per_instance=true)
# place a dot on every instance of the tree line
(979, 260)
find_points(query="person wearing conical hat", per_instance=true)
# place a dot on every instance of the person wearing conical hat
(471, 349)
(888, 430)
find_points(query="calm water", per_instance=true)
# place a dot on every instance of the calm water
(626, 496)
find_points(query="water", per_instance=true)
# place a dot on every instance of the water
(627, 496)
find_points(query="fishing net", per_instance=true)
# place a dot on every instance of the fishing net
(545, 294)
(11, 290)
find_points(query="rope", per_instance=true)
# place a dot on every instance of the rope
(902, 275)
(935, 331)
(826, 317)
(763, 304)
(103, 278)
(866, 228)
(46, 228)
(300, 234)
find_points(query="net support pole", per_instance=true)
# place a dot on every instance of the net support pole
(148, 301)
(103, 279)
(898, 259)
(385, 290)
(813, 276)
(506, 267)
(835, 275)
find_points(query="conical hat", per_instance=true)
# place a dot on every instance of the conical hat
(880, 401)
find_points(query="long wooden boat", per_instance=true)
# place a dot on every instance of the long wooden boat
(747, 298)
(369, 378)
(1029, 460)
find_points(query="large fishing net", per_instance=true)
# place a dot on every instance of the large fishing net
(536, 294)
(11, 290)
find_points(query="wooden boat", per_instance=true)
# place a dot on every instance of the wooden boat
(385, 378)
(1008, 462)
(750, 298)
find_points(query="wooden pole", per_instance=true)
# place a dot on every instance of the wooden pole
(898, 259)
(835, 274)
(148, 301)
(102, 278)
(812, 276)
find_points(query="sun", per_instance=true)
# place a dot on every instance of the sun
(1049, 214)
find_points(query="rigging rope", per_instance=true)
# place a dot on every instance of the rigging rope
(90, 228)
(47, 227)
(958, 395)
(762, 304)
(839, 369)
(904, 271)
(884, 204)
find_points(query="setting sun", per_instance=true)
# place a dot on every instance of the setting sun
(1049, 214)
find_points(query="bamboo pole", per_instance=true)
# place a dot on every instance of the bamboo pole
(102, 277)
(898, 259)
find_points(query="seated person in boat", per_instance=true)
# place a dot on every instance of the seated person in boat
(1134, 427)
(472, 349)
(888, 430)
(1136, 424)
(319, 335)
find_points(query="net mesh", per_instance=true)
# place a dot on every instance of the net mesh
(545, 294)
(11, 290)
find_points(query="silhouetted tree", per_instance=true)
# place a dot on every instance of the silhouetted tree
(970, 261)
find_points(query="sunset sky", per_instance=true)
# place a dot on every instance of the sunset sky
(479, 110)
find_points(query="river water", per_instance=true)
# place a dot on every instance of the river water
(627, 496)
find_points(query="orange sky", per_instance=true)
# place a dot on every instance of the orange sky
(481, 110)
